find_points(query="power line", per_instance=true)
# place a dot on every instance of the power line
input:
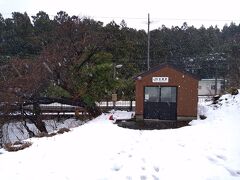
(143, 18)
(193, 19)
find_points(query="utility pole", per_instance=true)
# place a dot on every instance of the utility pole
(216, 80)
(148, 47)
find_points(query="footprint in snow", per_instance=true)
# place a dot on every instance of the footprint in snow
(121, 152)
(143, 177)
(156, 168)
(155, 177)
(233, 172)
(212, 159)
(129, 178)
(217, 159)
(116, 167)
(182, 145)
(221, 157)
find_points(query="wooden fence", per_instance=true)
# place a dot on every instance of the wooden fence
(62, 110)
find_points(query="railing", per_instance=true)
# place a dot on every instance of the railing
(119, 105)
(47, 111)
(55, 107)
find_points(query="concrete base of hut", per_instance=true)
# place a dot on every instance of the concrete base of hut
(152, 124)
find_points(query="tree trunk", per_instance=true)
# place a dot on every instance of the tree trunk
(1, 134)
(30, 133)
(36, 119)
(94, 111)
(131, 105)
(39, 124)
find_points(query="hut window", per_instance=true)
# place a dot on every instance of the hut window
(160, 94)
(168, 94)
(152, 94)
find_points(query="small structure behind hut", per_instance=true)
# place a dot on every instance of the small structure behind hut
(207, 87)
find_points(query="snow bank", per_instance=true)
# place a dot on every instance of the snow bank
(16, 131)
(99, 149)
(121, 115)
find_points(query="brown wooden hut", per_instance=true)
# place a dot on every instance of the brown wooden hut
(166, 92)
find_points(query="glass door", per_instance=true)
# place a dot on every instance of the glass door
(160, 103)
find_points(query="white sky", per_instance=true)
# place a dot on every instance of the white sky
(134, 12)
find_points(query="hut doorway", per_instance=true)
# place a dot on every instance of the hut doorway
(160, 102)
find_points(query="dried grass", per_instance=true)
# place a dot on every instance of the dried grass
(63, 130)
(16, 146)
(42, 134)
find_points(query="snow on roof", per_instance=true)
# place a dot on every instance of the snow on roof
(211, 79)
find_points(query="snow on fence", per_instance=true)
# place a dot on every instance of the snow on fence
(118, 103)
(202, 99)
(58, 108)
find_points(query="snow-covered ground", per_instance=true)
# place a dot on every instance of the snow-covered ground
(99, 149)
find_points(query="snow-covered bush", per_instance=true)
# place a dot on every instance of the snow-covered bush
(233, 91)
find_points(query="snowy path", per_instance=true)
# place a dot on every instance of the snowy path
(102, 150)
